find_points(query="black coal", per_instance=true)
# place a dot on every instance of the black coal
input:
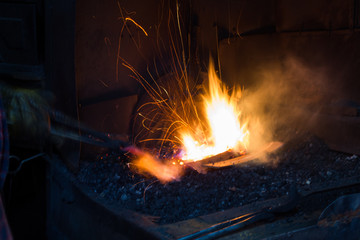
(304, 161)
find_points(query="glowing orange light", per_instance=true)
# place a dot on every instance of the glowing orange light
(146, 163)
(138, 25)
(223, 118)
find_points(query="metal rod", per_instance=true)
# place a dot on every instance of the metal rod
(218, 226)
(237, 223)
(237, 226)
(77, 131)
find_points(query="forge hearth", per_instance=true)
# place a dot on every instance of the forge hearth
(297, 62)
(301, 163)
(291, 71)
(121, 202)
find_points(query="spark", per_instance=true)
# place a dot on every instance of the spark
(138, 25)
(133, 186)
(124, 26)
(148, 187)
(103, 83)
(107, 41)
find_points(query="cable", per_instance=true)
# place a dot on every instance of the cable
(23, 161)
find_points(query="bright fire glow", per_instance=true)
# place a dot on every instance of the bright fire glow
(223, 118)
(221, 131)
(164, 171)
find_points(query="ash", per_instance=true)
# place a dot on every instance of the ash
(303, 161)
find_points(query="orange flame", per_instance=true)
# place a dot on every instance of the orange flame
(223, 118)
(224, 132)
(164, 171)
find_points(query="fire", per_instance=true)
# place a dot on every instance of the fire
(146, 163)
(172, 119)
(221, 131)
(225, 131)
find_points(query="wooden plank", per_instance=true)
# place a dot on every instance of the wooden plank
(293, 15)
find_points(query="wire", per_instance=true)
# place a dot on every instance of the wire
(23, 161)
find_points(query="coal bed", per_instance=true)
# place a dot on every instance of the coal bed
(303, 162)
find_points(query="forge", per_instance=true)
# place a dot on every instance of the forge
(303, 179)
(192, 119)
